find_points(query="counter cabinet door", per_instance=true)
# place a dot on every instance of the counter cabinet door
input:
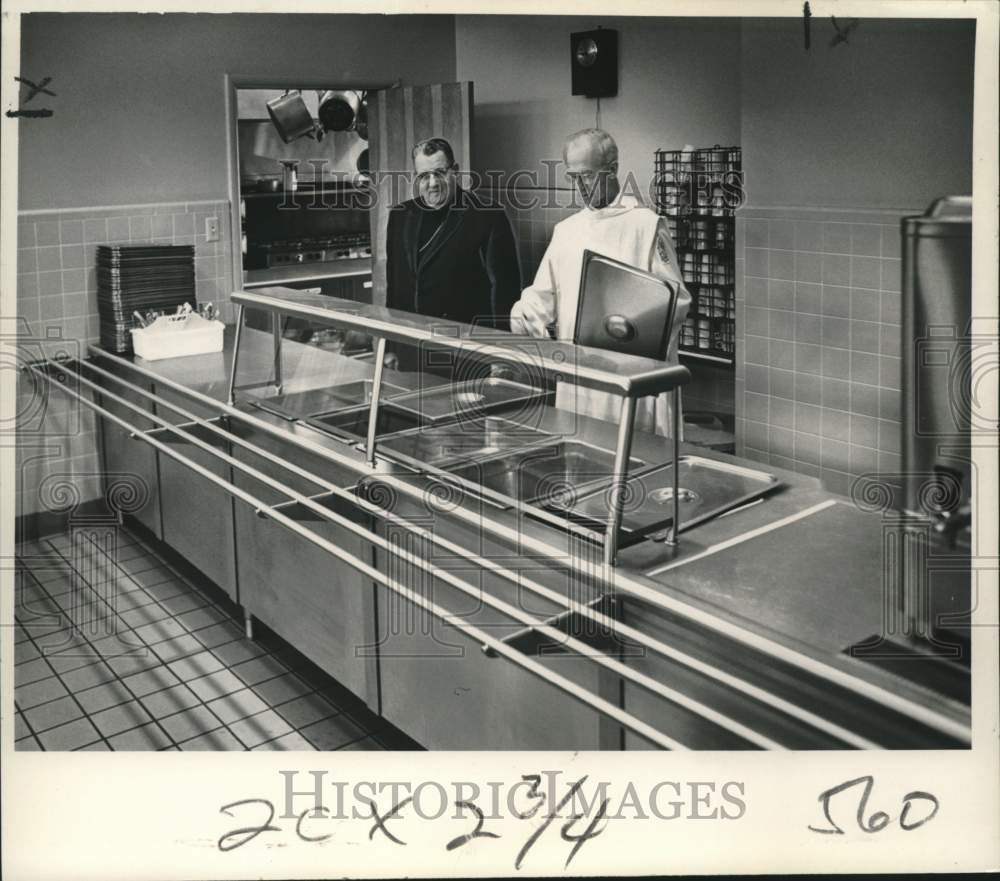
(197, 514)
(320, 605)
(130, 462)
(441, 688)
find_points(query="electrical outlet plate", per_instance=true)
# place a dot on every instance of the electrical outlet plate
(212, 229)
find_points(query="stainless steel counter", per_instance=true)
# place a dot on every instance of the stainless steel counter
(788, 582)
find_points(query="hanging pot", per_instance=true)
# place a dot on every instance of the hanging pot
(291, 117)
(338, 110)
(362, 163)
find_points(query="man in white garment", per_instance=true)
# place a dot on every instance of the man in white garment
(614, 224)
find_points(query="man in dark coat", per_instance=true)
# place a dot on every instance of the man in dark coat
(447, 256)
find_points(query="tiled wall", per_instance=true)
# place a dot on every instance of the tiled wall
(57, 310)
(818, 341)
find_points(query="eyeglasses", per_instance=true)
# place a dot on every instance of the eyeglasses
(438, 174)
(587, 178)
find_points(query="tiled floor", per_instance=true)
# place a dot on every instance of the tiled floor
(164, 665)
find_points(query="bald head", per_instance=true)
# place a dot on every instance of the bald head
(597, 141)
(591, 158)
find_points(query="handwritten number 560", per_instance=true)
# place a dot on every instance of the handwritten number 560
(877, 821)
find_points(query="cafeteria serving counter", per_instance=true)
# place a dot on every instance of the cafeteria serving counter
(448, 561)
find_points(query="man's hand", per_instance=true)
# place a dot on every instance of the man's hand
(530, 317)
(391, 361)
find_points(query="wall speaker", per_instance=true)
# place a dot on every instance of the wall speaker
(594, 60)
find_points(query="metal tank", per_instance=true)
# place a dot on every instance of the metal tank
(936, 393)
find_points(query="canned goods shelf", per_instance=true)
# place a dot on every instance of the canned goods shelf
(698, 192)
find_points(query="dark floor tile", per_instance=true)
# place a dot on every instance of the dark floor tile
(185, 603)
(97, 746)
(169, 701)
(290, 657)
(292, 741)
(222, 739)
(70, 736)
(161, 577)
(65, 660)
(238, 651)
(35, 693)
(32, 671)
(237, 705)
(100, 697)
(53, 714)
(123, 643)
(134, 599)
(167, 590)
(260, 668)
(205, 616)
(333, 733)
(121, 718)
(27, 744)
(159, 631)
(281, 689)
(20, 727)
(126, 667)
(155, 679)
(341, 697)
(219, 634)
(147, 737)
(196, 665)
(87, 677)
(305, 710)
(45, 631)
(61, 584)
(369, 744)
(135, 554)
(259, 728)
(24, 652)
(179, 647)
(214, 685)
(190, 723)
(143, 615)
(392, 738)
(137, 561)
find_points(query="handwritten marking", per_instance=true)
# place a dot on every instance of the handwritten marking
(878, 820)
(33, 90)
(298, 825)
(251, 832)
(381, 821)
(475, 833)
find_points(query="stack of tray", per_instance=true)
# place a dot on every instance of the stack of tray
(134, 278)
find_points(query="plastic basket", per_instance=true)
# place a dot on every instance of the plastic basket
(173, 336)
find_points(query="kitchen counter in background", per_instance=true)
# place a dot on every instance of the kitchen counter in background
(308, 272)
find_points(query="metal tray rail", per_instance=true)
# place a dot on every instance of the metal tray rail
(926, 715)
(498, 645)
(945, 717)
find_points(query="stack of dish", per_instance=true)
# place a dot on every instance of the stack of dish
(139, 278)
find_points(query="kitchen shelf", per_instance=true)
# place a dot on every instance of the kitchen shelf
(277, 275)
(698, 191)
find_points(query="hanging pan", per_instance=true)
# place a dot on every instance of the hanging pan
(291, 117)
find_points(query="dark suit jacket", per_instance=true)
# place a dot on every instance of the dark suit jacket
(468, 272)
